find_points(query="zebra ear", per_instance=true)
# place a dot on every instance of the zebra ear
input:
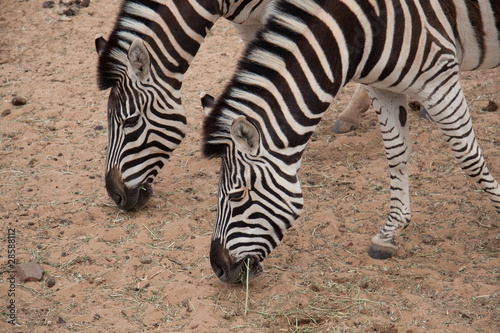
(245, 135)
(207, 101)
(138, 56)
(100, 44)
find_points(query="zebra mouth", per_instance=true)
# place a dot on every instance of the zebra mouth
(229, 270)
(130, 198)
(127, 198)
(144, 193)
(135, 198)
(251, 267)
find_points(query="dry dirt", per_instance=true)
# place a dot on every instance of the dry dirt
(120, 271)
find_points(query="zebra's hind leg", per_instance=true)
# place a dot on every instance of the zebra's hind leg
(350, 118)
(450, 111)
(391, 109)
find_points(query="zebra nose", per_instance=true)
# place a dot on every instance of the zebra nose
(115, 187)
(221, 262)
(218, 258)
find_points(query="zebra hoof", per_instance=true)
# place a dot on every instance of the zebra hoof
(425, 115)
(342, 127)
(381, 252)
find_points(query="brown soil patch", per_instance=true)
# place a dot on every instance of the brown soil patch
(111, 271)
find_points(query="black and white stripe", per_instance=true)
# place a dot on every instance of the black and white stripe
(143, 63)
(289, 75)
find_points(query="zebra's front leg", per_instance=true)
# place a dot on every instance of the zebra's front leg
(391, 109)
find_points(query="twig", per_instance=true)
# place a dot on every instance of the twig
(192, 305)
(247, 263)
(400, 313)
(429, 254)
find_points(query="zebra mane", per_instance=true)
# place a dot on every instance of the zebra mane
(112, 64)
(112, 60)
(230, 104)
(256, 67)
(217, 130)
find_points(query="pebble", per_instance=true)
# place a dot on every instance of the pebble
(17, 100)
(29, 271)
(427, 239)
(491, 107)
(51, 282)
(146, 260)
(48, 4)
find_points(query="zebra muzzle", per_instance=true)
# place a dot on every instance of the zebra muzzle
(127, 198)
(251, 268)
(229, 270)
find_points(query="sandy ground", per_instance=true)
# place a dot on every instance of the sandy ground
(113, 271)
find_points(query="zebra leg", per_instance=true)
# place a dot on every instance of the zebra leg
(391, 109)
(451, 113)
(349, 119)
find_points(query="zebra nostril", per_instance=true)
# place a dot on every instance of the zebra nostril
(219, 271)
(117, 195)
(119, 198)
(114, 186)
(219, 260)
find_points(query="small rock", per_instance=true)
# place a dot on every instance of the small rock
(314, 288)
(84, 3)
(65, 221)
(6, 112)
(99, 128)
(51, 282)
(16, 100)
(61, 321)
(491, 107)
(146, 260)
(428, 239)
(29, 271)
(48, 4)
(5, 60)
(347, 243)
(311, 181)
(70, 12)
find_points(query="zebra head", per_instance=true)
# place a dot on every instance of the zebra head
(146, 121)
(259, 198)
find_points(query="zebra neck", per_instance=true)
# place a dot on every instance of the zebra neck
(286, 80)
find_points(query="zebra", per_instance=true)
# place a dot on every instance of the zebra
(308, 50)
(143, 64)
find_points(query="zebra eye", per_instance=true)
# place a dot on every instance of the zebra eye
(131, 121)
(237, 195)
